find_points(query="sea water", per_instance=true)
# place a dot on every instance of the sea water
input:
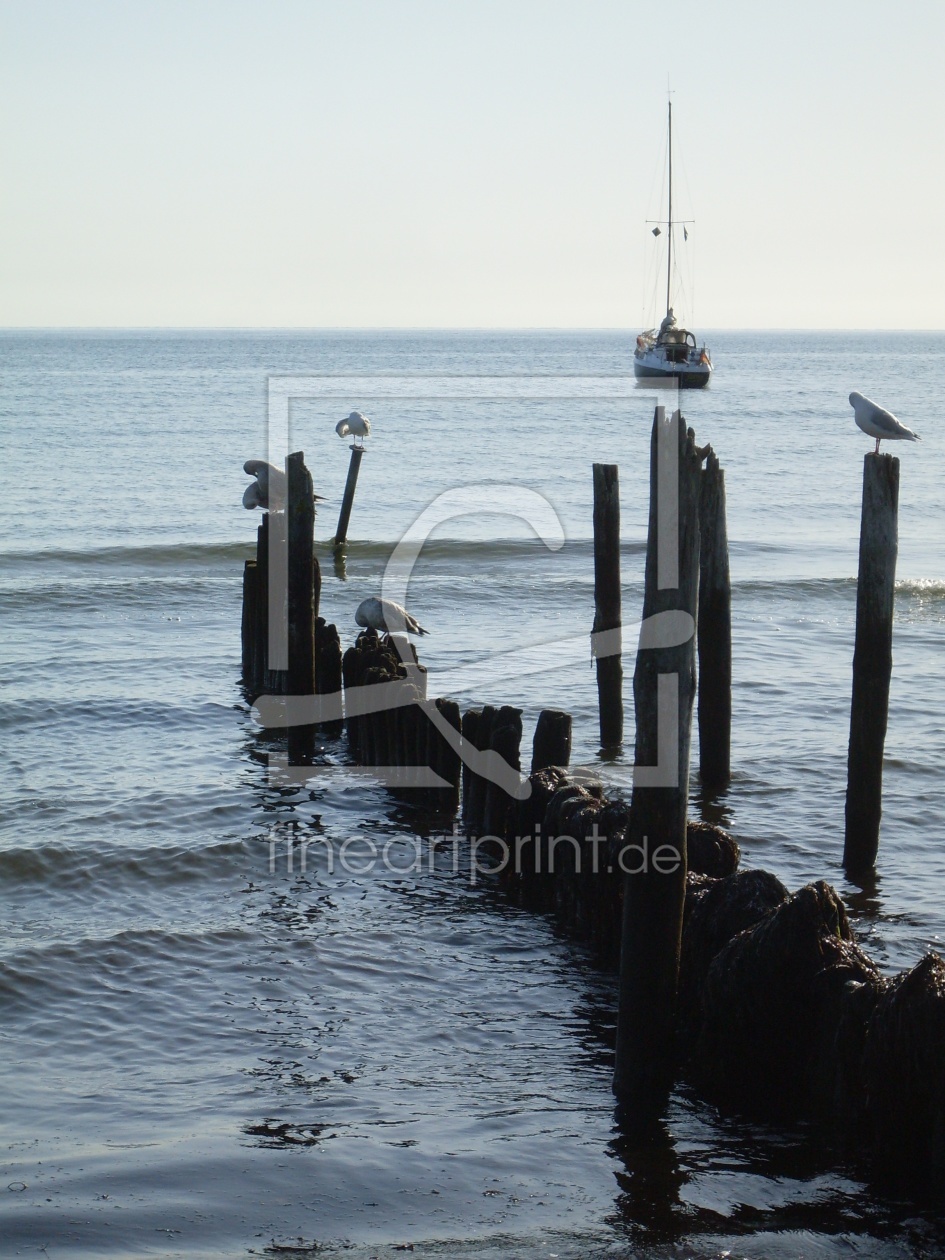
(205, 1053)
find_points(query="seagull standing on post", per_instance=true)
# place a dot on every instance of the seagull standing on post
(358, 425)
(384, 614)
(880, 424)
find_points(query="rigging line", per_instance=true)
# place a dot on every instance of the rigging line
(690, 279)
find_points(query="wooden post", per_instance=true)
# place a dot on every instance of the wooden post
(447, 759)
(872, 660)
(328, 665)
(472, 720)
(552, 743)
(476, 812)
(300, 528)
(607, 601)
(373, 732)
(655, 861)
(248, 623)
(277, 588)
(505, 738)
(341, 533)
(351, 677)
(417, 728)
(261, 637)
(715, 632)
(390, 718)
(316, 587)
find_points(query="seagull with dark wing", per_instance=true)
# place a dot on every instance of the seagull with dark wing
(384, 614)
(878, 423)
(358, 425)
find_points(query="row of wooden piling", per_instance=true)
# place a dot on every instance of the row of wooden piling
(412, 742)
(777, 1010)
(391, 724)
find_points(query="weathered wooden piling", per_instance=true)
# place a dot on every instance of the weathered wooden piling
(416, 743)
(505, 738)
(714, 637)
(551, 745)
(248, 624)
(655, 861)
(475, 811)
(328, 680)
(301, 597)
(281, 589)
(351, 678)
(261, 636)
(471, 722)
(872, 660)
(445, 759)
(277, 599)
(347, 502)
(607, 603)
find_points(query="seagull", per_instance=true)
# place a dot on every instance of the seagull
(268, 490)
(384, 614)
(358, 425)
(878, 423)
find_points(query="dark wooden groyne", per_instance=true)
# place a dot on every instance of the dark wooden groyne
(780, 1014)
(413, 742)
(762, 999)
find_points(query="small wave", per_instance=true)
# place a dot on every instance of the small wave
(76, 969)
(75, 867)
(925, 589)
(212, 555)
(157, 555)
(475, 548)
(922, 588)
(168, 593)
(29, 715)
(796, 586)
(232, 554)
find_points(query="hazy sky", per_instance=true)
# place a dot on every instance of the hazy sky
(467, 162)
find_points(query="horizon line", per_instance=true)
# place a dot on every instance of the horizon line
(415, 328)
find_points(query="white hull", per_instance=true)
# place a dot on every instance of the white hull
(689, 366)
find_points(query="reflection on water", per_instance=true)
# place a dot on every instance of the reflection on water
(650, 1179)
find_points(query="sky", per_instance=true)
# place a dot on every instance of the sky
(468, 163)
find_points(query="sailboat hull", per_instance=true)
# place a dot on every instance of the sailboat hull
(654, 365)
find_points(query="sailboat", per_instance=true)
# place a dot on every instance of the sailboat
(671, 351)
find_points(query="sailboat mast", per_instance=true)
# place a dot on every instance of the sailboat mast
(669, 242)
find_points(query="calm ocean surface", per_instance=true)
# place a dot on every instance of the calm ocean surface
(203, 1058)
